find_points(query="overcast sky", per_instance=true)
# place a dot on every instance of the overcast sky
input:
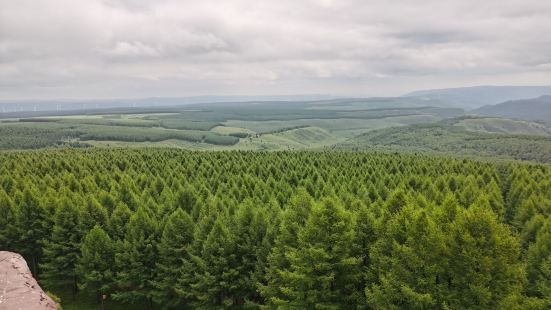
(134, 48)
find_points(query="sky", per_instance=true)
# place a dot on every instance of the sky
(93, 49)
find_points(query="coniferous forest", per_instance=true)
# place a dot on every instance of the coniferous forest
(172, 229)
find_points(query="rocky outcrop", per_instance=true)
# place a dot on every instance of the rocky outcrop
(18, 289)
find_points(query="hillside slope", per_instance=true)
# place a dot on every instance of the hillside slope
(475, 97)
(445, 138)
(526, 109)
(504, 126)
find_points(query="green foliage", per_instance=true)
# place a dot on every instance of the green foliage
(248, 230)
(486, 270)
(173, 250)
(34, 135)
(119, 221)
(96, 263)
(443, 138)
(409, 261)
(188, 124)
(136, 259)
(322, 273)
(8, 229)
(93, 214)
(167, 228)
(31, 227)
(215, 285)
(539, 263)
(293, 219)
(133, 134)
(279, 124)
(61, 251)
(56, 299)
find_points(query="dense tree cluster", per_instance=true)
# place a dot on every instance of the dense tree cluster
(289, 230)
(447, 138)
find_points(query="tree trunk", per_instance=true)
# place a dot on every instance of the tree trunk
(75, 287)
(34, 271)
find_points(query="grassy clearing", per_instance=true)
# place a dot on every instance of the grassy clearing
(187, 124)
(296, 139)
(225, 130)
(342, 127)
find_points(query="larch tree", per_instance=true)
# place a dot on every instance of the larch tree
(215, 282)
(136, 260)
(293, 218)
(96, 263)
(248, 231)
(62, 250)
(484, 268)
(8, 234)
(173, 248)
(323, 273)
(31, 227)
(539, 263)
(93, 213)
(365, 235)
(118, 222)
(409, 262)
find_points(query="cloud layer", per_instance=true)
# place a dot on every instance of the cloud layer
(134, 48)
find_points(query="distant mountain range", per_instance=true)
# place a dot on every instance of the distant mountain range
(467, 98)
(535, 109)
(474, 97)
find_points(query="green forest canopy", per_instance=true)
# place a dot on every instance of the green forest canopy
(325, 230)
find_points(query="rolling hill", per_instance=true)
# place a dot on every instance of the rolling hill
(453, 137)
(504, 126)
(478, 96)
(535, 109)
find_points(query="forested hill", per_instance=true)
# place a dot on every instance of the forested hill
(305, 230)
(454, 138)
(538, 109)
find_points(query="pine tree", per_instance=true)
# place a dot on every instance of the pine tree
(322, 274)
(119, 221)
(530, 230)
(93, 214)
(214, 285)
(185, 199)
(396, 201)
(31, 227)
(365, 235)
(173, 255)
(484, 269)
(495, 199)
(136, 260)
(127, 195)
(409, 261)
(7, 223)
(206, 218)
(539, 263)
(248, 231)
(62, 251)
(96, 263)
(292, 220)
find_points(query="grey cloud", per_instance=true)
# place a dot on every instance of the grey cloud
(102, 48)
